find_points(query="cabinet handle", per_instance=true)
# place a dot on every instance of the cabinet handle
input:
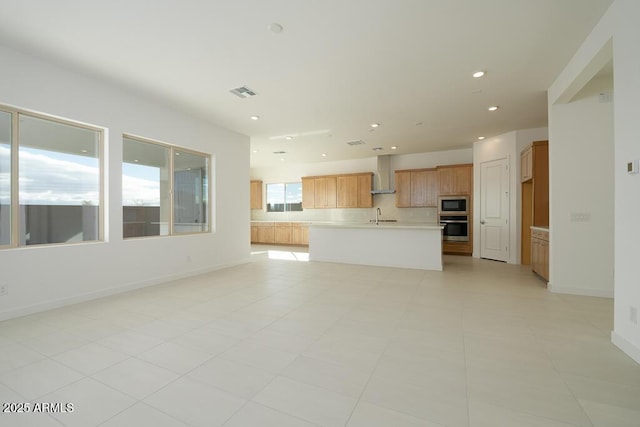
(482, 221)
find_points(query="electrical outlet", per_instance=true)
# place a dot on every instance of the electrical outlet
(633, 315)
(4, 289)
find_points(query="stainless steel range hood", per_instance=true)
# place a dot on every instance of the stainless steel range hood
(382, 179)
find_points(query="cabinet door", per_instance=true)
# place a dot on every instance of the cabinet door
(445, 178)
(282, 234)
(256, 194)
(432, 188)
(526, 165)
(308, 193)
(332, 191)
(462, 179)
(254, 234)
(403, 189)
(365, 184)
(347, 191)
(300, 234)
(419, 188)
(266, 234)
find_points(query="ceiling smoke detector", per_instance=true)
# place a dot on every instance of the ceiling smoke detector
(358, 142)
(243, 92)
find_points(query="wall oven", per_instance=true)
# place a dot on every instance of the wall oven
(456, 228)
(457, 205)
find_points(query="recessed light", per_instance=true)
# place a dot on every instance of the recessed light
(493, 108)
(324, 154)
(177, 154)
(255, 151)
(478, 74)
(375, 125)
(288, 138)
(136, 160)
(282, 160)
(394, 148)
(481, 138)
(84, 151)
(275, 28)
(255, 117)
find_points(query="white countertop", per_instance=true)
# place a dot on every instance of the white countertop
(380, 225)
(533, 227)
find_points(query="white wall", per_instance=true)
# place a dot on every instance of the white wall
(581, 181)
(386, 202)
(45, 277)
(505, 146)
(619, 25)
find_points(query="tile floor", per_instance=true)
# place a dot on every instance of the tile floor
(278, 342)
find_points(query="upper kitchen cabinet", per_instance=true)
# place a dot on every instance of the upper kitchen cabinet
(319, 192)
(354, 190)
(526, 164)
(416, 188)
(455, 179)
(256, 194)
(337, 191)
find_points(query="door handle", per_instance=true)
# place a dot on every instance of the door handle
(482, 221)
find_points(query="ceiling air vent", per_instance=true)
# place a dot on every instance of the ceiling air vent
(358, 142)
(279, 152)
(243, 92)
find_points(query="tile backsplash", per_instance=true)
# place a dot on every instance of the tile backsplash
(386, 203)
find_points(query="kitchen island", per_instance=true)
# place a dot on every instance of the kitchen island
(384, 244)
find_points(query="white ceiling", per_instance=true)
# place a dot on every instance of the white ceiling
(337, 67)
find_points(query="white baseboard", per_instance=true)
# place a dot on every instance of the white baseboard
(631, 350)
(580, 291)
(62, 302)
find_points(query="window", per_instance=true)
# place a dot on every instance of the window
(284, 197)
(5, 178)
(58, 198)
(146, 201)
(151, 172)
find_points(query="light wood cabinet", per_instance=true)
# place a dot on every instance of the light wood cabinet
(526, 164)
(282, 233)
(256, 194)
(416, 188)
(365, 185)
(308, 193)
(540, 253)
(347, 191)
(535, 193)
(266, 232)
(455, 179)
(299, 233)
(337, 191)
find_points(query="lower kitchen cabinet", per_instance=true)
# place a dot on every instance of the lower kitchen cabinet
(540, 252)
(280, 233)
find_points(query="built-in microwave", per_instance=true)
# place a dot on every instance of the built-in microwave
(451, 205)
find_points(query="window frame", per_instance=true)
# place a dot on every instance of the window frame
(15, 222)
(172, 150)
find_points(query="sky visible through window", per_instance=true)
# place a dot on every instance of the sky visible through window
(55, 178)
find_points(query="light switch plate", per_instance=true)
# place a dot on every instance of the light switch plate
(632, 167)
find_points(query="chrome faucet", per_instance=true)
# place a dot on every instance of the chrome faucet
(378, 214)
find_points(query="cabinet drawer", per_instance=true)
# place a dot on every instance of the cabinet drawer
(539, 234)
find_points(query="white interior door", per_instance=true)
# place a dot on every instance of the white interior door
(494, 210)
